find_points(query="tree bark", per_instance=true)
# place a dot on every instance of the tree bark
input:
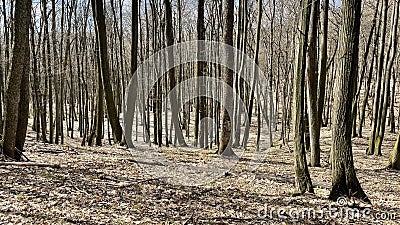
(17, 94)
(105, 71)
(175, 102)
(225, 141)
(394, 160)
(390, 55)
(133, 89)
(323, 62)
(381, 55)
(302, 176)
(312, 85)
(344, 179)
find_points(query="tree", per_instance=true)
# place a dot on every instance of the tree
(130, 105)
(224, 148)
(394, 160)
(303, 180)
(255, 78)
(96, 135)
(323, 61)
(377, 111)
(17, 93)
(201, 86)
(344, 179)
(175, 103)
(389, 61)
(312, 85)
(363, 71)
(105, 71)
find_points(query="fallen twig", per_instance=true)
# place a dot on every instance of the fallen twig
(125, 185)
(29, 164)
(190, 219)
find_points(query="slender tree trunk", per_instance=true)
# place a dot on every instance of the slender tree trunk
(36, 87)
(225, 141)
(302, 177)
(175, 102)
(256, 74)
(56, 65)
(392, 48)
(1, 89)
(378, 99)
(367, 88)
(312, 85)
(394, 159)
(129, 111)
(105, 71)
(201, 86)
(392, 117)
(363, 71)
(272, 118)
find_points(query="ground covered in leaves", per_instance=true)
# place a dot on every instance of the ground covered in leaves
(108, 185)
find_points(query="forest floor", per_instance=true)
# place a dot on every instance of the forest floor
(107, 185)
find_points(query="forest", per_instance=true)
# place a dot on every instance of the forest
(199, 112)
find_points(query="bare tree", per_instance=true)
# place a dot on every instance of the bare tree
(105, 71)
(17, 93)
(303, 181)
(344, 179)
(224, 148)
(312, 85)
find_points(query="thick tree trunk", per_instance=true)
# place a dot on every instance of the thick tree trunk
(17, 94)
(344, 179)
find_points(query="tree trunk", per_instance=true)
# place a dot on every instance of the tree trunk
(130, 105)
(105, 71)
(394, 160)
(312, 85)
(392, 48)
(17, 94)
(175, 102)
(225, 141)
(255, 78)
(377, 99)
(366, 91)
(56, 65)
(302, 180)
(344, 179)
(323, 62)
(363, 71)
